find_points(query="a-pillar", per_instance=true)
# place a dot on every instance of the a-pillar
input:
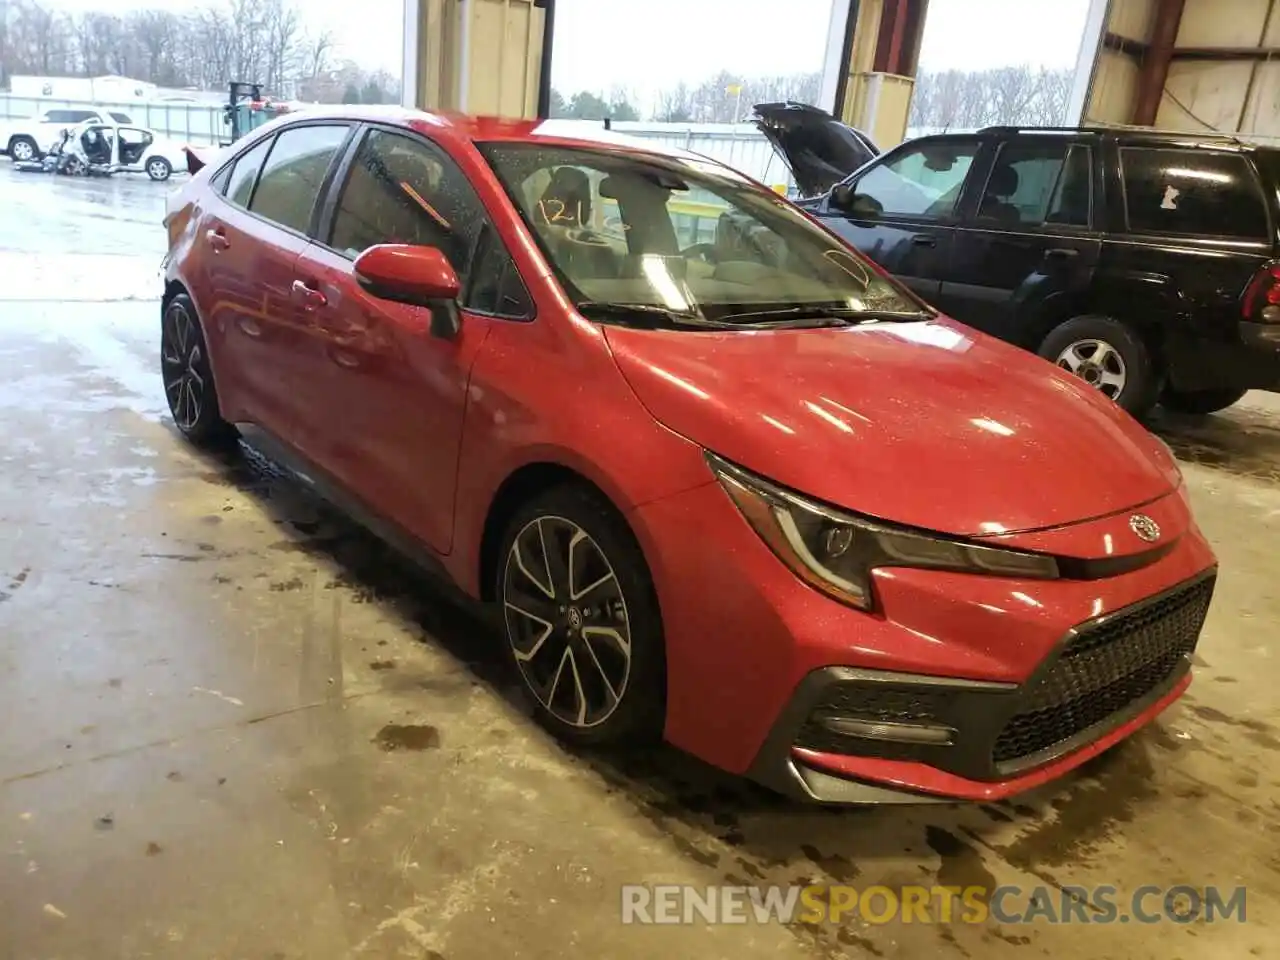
(477, 56)
(873, 49)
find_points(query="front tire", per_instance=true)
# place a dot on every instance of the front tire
(158, 168)
(583, 628)
(188, 377)
(23, 149)
(1108, 355)
(1200, 402)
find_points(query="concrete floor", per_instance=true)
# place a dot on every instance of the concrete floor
(234, 726)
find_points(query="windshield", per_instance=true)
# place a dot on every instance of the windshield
(685, 239)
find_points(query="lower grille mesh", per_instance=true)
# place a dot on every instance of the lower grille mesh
(1103, 670)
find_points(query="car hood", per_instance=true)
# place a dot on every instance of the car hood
(927, 424)
(819, 149)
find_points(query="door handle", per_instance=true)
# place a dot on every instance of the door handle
(217, 239)
(924, 240)
(1060, 253)
(308, 296)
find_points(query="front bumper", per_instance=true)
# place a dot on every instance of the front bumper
(844, 727)
(1027, 679)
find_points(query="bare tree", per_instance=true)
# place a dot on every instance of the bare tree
(316, 54)
(675, 105)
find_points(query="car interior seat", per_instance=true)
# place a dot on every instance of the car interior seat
(995, 201)
(564, 214)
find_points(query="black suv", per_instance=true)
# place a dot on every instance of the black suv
(1145, 262)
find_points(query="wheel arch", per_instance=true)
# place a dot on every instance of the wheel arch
(1146, 308)
(518, 488)
(175, 286)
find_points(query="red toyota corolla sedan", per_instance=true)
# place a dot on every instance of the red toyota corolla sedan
(725, 481)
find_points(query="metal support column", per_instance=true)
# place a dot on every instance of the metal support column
(1154, 72)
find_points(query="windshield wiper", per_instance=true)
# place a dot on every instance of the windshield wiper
(827, 316)
(651, 315)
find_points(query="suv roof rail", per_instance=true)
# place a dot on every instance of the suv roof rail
(1103, 127)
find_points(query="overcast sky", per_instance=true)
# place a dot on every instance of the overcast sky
(647, 45)
(673, 40)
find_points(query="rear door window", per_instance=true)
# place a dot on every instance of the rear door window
(1192, 193)
(294, 172)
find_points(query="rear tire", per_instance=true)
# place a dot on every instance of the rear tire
(1200, 402)
(581, 618)
(23, 149)
(1108, 355)
(188, 378)
(158, 168)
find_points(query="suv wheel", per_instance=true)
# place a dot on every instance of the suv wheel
(23, 149)
(188, 378)
(1199, 401)
(581, 619)
(1107, 355)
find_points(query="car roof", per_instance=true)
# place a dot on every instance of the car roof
(1129, 134)
(460, 127)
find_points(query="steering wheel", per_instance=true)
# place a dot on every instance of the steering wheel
(705, 252)
(586, 237)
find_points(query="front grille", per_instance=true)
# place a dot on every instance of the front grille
(1103, 670)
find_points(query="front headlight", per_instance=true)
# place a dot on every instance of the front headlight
(835, 552)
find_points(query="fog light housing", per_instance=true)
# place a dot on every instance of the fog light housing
(890, 731)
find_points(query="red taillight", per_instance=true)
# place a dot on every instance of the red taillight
(1262, 298)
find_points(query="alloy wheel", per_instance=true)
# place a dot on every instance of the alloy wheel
(157, 170)
(567, 621)
(1097, 363)
(181, 356)
(22, 151)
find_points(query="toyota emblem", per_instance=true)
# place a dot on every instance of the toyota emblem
(1146, 528)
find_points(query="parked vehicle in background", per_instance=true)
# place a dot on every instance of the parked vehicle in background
(749, 494)
(29, 139)
(1145, 262)
(105, 149)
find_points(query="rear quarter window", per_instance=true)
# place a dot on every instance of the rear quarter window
(1192, 193)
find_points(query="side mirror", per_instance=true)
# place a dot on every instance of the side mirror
(419, 276)
(842, 196)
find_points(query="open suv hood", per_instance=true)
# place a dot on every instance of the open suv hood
(819, 149)
(929, 424)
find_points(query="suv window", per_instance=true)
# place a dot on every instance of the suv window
(244, 173)
(401, 190)
(922, 182)
(1191, 192)
(1035, 183)
(70, 116)
(291, 177)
